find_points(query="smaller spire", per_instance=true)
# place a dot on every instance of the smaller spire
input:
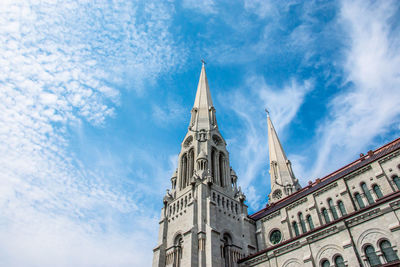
(283, 181)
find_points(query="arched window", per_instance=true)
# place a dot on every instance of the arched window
(333, 209)
(388, 253)
(326, 216)
(367, 193)
(296, 228)
(310, 222)
(339, 262)
(222, 169)
(178, 251)
(377, 191)
(184, 165)
(396, 180)
(213, 166)
(302, 223)
(341, 208)
(359, 200)
(191, 165)
(325, 263)
(372, 258)
(226, 253)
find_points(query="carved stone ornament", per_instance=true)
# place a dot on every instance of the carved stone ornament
(217, 140)
(277, 194)
(188, 141)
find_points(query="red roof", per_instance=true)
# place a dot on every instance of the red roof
(319, 183)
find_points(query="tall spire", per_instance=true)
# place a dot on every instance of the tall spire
(283, 181)
(203, 112)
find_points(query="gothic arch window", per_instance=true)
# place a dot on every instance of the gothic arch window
(387, 250)
(302, 223)
(326, 215)
(377, 191)
(226, 250)
(325, 263)
(214, 165)
(184, 165)
(178, 251)
(191, 165)
(333, 209)
(371, 256)
(339, 261)
(310, 222)
(396, 181)
(296, 228)
(367, 193)
(222, 168)
(341, 208)
(359, 200)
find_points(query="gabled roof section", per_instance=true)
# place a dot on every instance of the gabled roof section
(364, 160)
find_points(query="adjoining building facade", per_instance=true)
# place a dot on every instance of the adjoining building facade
(350, 217)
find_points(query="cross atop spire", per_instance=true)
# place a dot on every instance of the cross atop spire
(203, 112)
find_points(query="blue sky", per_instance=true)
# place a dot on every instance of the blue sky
(95, 99)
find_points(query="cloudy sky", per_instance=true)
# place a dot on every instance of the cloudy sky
(95, 99)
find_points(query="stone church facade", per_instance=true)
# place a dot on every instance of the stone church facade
(350, 217)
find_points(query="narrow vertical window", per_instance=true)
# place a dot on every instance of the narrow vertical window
(367, 193)
(388, 253)
(326, 216)
(325, 263)
(396, 180)
(339, 262)
(296, 229)
(359, 200)
(310, 222)
(372, 258)
(222, 169)
(377, 191)
(333, 209)
(302, 223)
(342, 208)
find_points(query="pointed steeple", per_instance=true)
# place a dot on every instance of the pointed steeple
(283, 181)
(203, 112)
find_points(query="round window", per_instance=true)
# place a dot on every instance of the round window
(275, 237)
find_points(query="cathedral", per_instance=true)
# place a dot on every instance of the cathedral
(350, 217)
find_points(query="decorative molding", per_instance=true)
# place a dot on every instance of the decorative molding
(325, 188)
(286, 248)
(388, 157)
(364, 217)
(272, 215)
(358, 172)
(298, 202)
(323, 233)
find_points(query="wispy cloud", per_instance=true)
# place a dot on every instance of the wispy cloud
(61, 65)
(205, 7)
(283, 104)
(369, 104)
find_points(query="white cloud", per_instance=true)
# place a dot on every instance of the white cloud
(283, 105)
(59, 64)
(370, 103)
(204, 7)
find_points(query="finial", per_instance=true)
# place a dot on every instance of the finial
(266, 110)
(203, 61)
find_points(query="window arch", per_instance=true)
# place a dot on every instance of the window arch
(302, 223)
(326, 215)
(377, 191)
(367, 193)
(359, 200)
(396, 181)
(178, 243)
(387, 250)
(226, 251)
(221, 164)
(372, 258)
(339, 261)
(333, 209)
(325, 263)
(341, 208)
(296, 228)
(310, 222)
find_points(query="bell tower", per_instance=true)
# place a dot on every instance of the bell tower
(204, 219)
